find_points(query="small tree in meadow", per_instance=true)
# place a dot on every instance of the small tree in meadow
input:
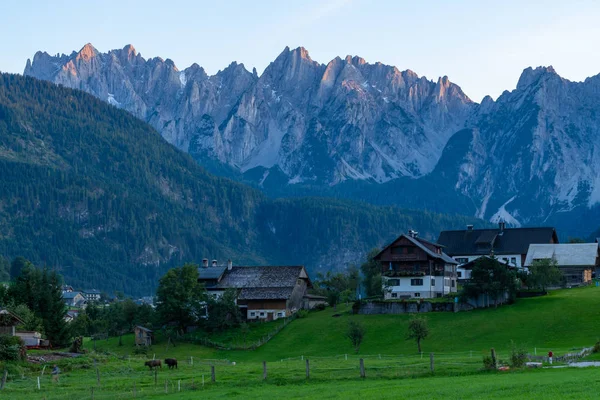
(356, 334)
(544, 273)
(417, 330)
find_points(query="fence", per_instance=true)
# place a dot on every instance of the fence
(125, 378)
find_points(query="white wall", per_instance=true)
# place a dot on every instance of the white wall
(404, 288)
(500, 258)
(262, 314)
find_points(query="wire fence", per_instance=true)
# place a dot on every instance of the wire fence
(127, 377)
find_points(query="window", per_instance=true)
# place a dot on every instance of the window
(416, 282)
(453, 282)
(397, 250)
(446, 282)
(281, 314)
(433, 282)
(417, 294)
(262, 313)
(410, 250)
(462, 260)
(394, 295)
(393, 282)
(513, 260)
(416, 268)
(253, 313)
(459, 274)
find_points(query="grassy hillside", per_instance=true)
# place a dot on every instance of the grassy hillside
(561, 321)
(91, 190)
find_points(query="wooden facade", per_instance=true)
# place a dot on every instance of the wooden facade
(414, 267)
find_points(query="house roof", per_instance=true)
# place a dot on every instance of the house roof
(143, 329)
(420, 244)
(91, 291)
(240, 277)
(506, 241)
(70, 295)
(211, 273)
(566, 254)
(15, 318)
(279, 293)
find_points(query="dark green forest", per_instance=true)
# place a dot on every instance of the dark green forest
(93, 192)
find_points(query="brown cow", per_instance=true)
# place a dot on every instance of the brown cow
(171, 362)
(153, 364)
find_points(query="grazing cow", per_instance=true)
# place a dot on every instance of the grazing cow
(153, 364)
(171, 362)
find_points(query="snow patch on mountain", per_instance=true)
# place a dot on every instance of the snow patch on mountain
(502, 215)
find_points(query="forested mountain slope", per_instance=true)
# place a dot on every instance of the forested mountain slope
(89, 189)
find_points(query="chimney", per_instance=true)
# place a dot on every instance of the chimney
(413, 233)
(205, 262)
(469, 227)
(501, 225)
(229, 265)
(214, 263)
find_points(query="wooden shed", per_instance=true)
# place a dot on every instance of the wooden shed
(143, 336)
(8, 323)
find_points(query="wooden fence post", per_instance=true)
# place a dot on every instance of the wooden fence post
(264, 370)
(179, 385)
(431, 362)
(4, 376)
(39, 388)
(494, 358)
(212, 374)
(307, 369)
(92, 392)
(362, 368)
(166, 386)
(155, 376)
(97, 373)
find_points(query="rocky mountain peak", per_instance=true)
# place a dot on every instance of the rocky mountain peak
(87, 52)
(529, 75)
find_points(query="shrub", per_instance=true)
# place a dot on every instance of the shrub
(301, 313)
(518, 356)
(596, 347)
(356, 333)
(12, 348)
(140, 350)
(320, 307)
(488, 363)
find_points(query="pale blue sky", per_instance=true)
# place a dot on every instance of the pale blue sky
(481, 45)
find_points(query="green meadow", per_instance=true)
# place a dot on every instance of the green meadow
(563, 321)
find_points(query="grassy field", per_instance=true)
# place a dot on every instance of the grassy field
(563, 321)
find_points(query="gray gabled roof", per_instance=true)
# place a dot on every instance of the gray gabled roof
(262, 277)
(265, 293)
(565, 254)
(70, 295)
(211, 273)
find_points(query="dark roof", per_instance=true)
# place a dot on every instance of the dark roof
(262, 277)
(210, 273)
(91, 291)
(14, 317)
(314, 297)
(471, 264)
(507, 241)
(70, 295)
(420, 244)
(265, 293)
(143, 329)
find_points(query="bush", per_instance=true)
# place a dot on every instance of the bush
(320, 307)
(302, 313)
(488, 363)
(518, 357)
(596, 347)
(12, 348)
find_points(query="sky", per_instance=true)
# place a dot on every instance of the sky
(483, 46)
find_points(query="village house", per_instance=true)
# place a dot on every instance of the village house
(576, 261)
(262, 292)
(91, 295)
(74, 299)
(508, 245)
(413, 267)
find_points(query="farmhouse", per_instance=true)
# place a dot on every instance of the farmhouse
(74, 299)
(263, 292)
(8, 323)
(415, 267)
(91, 295)
(509, 245)
(576, 261)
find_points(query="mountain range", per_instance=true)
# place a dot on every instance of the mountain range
(367, 131)
(94, 192)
